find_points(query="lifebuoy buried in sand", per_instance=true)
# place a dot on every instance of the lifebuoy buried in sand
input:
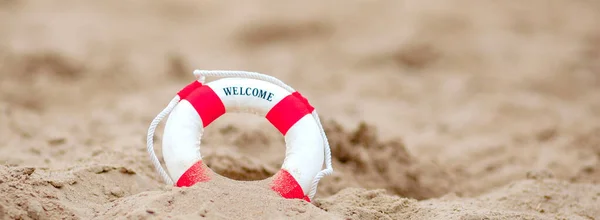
(199, 104)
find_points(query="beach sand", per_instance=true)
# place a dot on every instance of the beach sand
(434, 110)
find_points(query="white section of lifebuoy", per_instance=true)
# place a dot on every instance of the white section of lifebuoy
(184, 128)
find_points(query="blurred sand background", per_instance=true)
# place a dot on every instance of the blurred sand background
(465, 109)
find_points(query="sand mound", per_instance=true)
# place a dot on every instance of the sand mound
(527, 199)
(363, 160)
(218, 199)
(34, 193)
(105, 192)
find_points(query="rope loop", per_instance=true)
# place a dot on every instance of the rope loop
(201, 77)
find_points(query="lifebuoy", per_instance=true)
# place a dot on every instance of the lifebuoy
(200, 104)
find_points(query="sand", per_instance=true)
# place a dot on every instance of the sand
(434, 110)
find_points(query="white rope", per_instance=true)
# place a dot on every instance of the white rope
(150, 140)
(201, 76)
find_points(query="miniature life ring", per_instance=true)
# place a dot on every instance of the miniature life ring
(289, 112)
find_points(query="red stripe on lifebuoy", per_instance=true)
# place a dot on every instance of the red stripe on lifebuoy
(187, 90)
(285, 184)
(195, 174)
(288, 111)
(207, 103)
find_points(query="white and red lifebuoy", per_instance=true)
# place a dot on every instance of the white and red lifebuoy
(200, 104)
